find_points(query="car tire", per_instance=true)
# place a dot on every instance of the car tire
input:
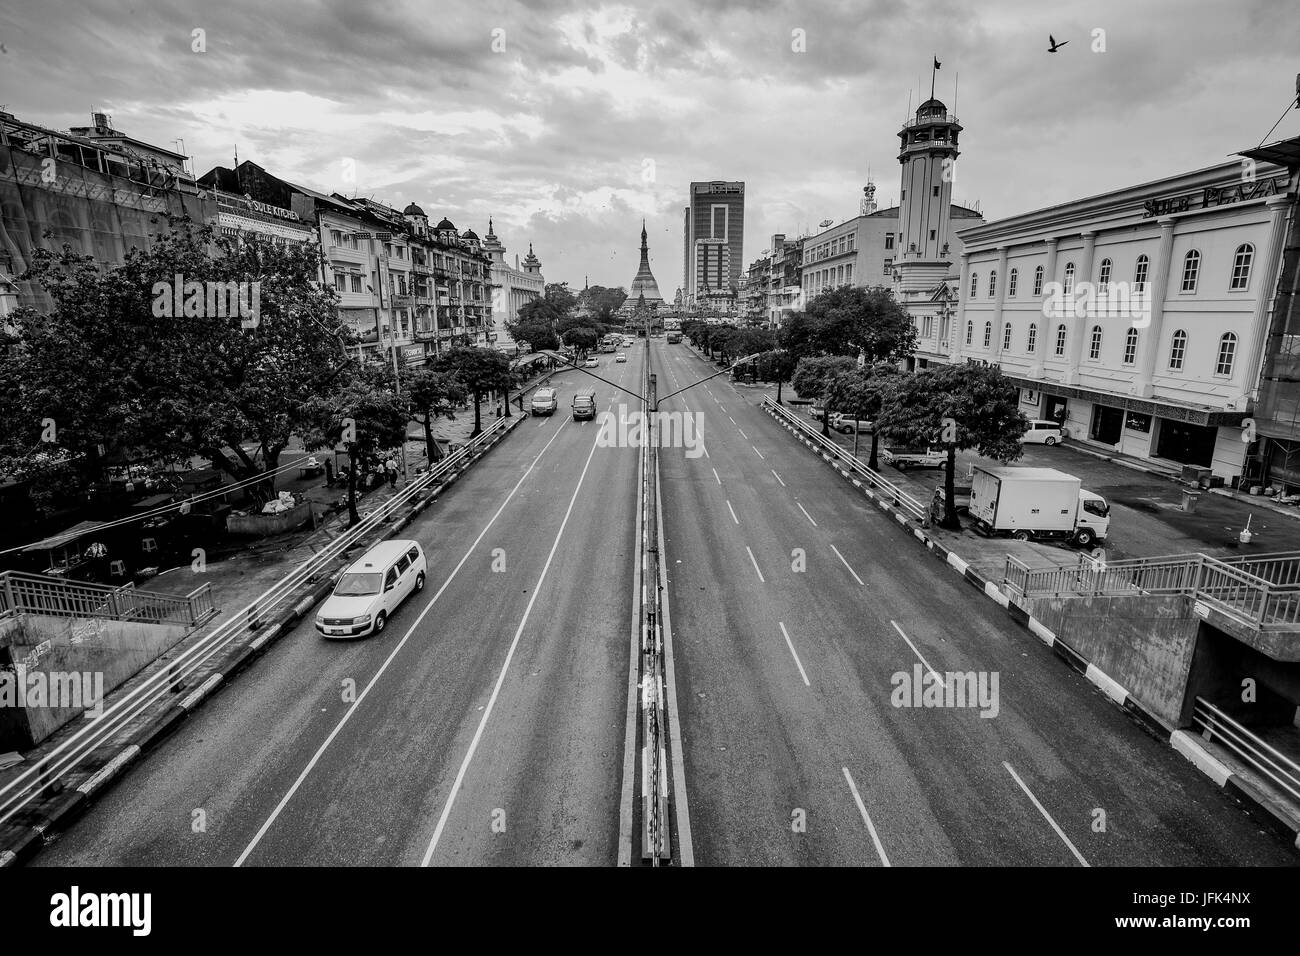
(1021, 535)
(380, 620)
(1049, 440)
(1085, 538)
(419, 581)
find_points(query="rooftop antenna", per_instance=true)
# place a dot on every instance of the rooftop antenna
(955, 78)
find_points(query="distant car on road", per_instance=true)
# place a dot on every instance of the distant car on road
(845, 425)
(371, 589)
(544, 402)
(591, 363)
(584, 405)
(620, 357)
(1042, 432)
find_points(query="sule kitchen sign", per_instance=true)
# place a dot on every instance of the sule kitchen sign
(1214, 196)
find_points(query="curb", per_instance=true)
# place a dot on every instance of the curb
(1182, 741)
(69, 805)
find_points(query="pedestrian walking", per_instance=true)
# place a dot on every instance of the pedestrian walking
(391, 467)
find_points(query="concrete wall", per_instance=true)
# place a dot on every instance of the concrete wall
(1146, 643)
(1220, 668)
(116, 649)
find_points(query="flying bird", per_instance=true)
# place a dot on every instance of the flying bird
(1055, 46)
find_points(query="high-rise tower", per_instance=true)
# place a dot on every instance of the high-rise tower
(927, 154)
(713, 237)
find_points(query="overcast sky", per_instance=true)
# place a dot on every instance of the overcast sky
(589, 116)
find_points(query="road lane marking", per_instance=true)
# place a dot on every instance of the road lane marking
(284, 801)
(758, 453)
(742, 433)
(625, 822)
(934, 673)
(805, 513)
(778, 477)
(733, 512)
(752, 558)
(1047, 816)
(846, 564)
(862, 808)
(797, 663)
(715, 475)
(501, 678)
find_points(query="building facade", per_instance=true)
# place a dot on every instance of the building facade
(1139, 318)
(512, 287)
(713, 237)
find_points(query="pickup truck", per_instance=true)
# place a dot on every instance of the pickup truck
(844, 424)
(905, 458)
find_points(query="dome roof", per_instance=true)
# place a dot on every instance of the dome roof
(446, 224)
(469, 234)
(931, 106)
(412, 210)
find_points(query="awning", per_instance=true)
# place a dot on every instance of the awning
(66, 537)
(1192, 414)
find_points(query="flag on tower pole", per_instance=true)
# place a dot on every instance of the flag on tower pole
(932, 72)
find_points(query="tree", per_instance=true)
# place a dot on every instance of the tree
(849, 320)
(971, 405)
(777, 365)
(812, 379)
(432, 395)
(481, 371)
(583, 338)
(600, 303)
(537, 332)
(863, 392)
(559, 297)
(367, 417)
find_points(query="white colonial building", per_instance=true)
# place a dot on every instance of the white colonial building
(1153, 341)
(513, 287)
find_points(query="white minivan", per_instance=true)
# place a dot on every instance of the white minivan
(1042, 432)
(370, 590)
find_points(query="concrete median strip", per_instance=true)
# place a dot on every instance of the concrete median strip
(1182, 741)
(62, 809)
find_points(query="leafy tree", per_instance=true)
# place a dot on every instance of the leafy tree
(863, 391)
(582, 337)
(601, 303)
(559, 297)
(538, 333)
(481, 371)
(432, 395)
(971, 405)
(797, 335)
(777, 365)
(812, 379)
(848, 320)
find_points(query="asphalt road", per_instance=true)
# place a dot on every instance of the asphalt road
(485, 726)
(794, 751)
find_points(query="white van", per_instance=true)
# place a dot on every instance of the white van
(370, 590)
(1042, 432)
(544, 402)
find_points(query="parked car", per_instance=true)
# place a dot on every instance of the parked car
(846, 425)
(372, 588)
(960, 500)
(1042, 432)
(544, 402)
(591, 363)
(905, 458)
(817, 411)
(620, 357)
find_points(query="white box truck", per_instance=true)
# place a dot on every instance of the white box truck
(1029, 503)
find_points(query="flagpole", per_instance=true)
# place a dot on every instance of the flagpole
(933, 61)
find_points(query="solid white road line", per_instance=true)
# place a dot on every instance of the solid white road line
(715, 475)
(1046, 816)
(797, 662)
(752, 558)
(778, 477)
(487, 712)
(733, 513)
(805, 513)
(759, 453)
(933, 672)
(284, 801)
(866, 818)
(846, 564)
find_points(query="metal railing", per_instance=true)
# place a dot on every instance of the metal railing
(22, 593)
(1252, 599)
(1217, 726)
(1279, 567)
(901, 498)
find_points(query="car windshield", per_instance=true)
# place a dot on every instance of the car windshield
(353, 585)
(1096, 506)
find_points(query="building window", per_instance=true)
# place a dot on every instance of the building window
(1038, 281)
(852, 237)
(356, 282)
(889, 264)
(1006, 337)
(1131, 346)
(1031, 341)
(936, 191)
(932, 235)
(1011, 283)
(988, 334)
(974, 284)
(1191, 270)
(848, 273)
(943, 330)
(970, 331)
(993, 283)
(1140, 272)
(927, 327)
(1227, 352)
(889, 240)
(336, 237)
(1241, 267)
(903, 194)
(1177, 350)
(1060, 340)
(1103, 278)
(340, 282)
(1094, 347)
(1069, 278)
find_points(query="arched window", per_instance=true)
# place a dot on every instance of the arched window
(1241, 267)
(1191, 270)
(974, 283)
(970, 332)
(1177, 350)
(1140, 272)
(988, 334)
(1006, 337)
(1031, 341)
(1038, 281)
(1060, 340)
(1131, 346)
(1069, 278)
(1094, 347)
(1227, 353)
(1011, 283)
(1103, 277)
(993, 283)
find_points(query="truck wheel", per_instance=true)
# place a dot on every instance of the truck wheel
(1085, 537)
(1021, 535)
(1049, 441)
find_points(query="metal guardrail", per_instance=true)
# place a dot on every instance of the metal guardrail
(1252, 599)
(901, 498)
(1217, 726)
(1277, 568)
(22, 593)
